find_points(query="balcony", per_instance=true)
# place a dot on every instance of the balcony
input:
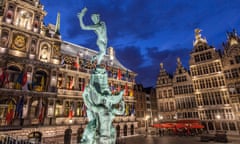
(129, 98)
(74, 120)
(69, 93)
(119, 119)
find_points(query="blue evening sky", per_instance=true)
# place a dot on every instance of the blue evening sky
(145, 33)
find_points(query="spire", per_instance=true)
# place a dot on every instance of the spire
(57, 27)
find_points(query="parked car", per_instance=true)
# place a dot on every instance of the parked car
(221, 136)
(207, 138)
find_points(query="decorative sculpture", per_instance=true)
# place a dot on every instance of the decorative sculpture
(101, 105)
(100, 29)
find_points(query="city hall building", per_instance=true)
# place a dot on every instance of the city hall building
(42, 78)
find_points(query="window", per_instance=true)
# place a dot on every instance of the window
(232, 126)
(235, 73)
(170, 93)
(208, 55)
(197, 59)
(81, 84)
(202, 57)
(224, 126)
(237, 59)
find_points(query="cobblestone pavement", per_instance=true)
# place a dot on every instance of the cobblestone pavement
(141, 139)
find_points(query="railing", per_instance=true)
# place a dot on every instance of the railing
(69, 92)
(6, 139)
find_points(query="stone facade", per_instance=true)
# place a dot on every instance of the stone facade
(186, 107)
(165, 96)
(140, 106)
(210, 93)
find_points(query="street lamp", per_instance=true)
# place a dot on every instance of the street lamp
(146, 124)
(160, 119)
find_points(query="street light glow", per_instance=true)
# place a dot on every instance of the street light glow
(218, 116)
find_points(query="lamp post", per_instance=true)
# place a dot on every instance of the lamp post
(160, 119)
(146, 124)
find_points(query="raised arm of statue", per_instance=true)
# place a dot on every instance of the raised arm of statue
(99, 27)
(80, 17)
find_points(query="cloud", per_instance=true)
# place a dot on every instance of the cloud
(146, 33)
(132, 58)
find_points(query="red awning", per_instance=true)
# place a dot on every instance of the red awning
(180, 125)
(196, 126)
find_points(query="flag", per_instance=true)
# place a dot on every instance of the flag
(19, 81)
(131, 92)
(119, 87)
(83, 110)
(70, 113)
(24, 79)
(19, 107)
(1, 75)
(126, 90)
(42, 83)
(83, 85)
(6, 80)
(119, 75)
(133, 110)
(76, 64)
(62, 61)
(71, 83)
(112, 88)
(126, 110)
(10, 113)
(25, 82)
(41, 110)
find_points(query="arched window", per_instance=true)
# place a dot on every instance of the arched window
(58, 109)
(224, 126)
(79, 134)
(232, 126)
(33, 109)
(67, 136)
(217, 125)
(118, 130)
(125, 130)
(210, 126)
(40, 81)
(7, 109)
(132, 129)
(35, 137)
(12, 76)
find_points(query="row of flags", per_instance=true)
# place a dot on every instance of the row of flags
(119, 74)
(117, 88)
(83, 111)
(22, 82)
(129, 110)
(20, 111)
(3, 77)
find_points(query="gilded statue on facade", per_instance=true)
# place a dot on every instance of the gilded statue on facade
(102, 105)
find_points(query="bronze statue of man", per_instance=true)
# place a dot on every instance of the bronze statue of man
(99, 27)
